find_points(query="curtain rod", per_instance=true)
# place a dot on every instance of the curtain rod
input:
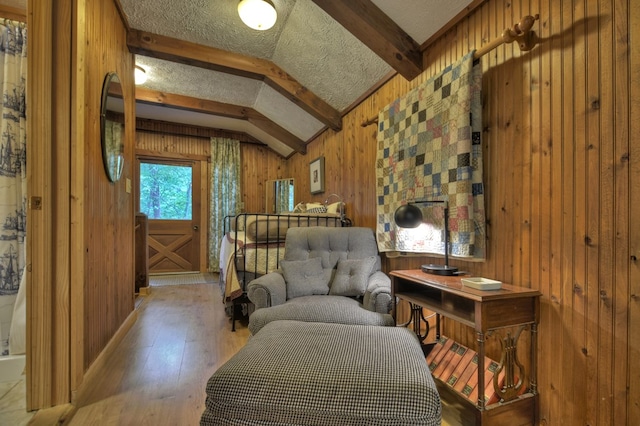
(520, 32)
(13, 13)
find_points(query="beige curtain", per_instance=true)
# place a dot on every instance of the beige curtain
(13, 179)
(225, 185)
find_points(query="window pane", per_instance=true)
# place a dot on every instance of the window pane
(165, 191)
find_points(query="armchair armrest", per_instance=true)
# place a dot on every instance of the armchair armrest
(377, 297)
(267, 290)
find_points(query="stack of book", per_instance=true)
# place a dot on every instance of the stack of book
(457, 366)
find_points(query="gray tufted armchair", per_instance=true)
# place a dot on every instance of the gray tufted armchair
(327, 275)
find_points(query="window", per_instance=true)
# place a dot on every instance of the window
(165, 191)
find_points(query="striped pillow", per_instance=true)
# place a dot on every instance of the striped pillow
(321, 209)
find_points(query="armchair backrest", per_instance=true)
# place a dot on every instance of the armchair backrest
(331, 244)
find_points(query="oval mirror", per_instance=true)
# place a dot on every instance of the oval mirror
(112, 126)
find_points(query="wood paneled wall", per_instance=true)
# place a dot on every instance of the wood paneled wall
(13, 13)
(561, 147)
(259, 164)
(80, 282)
(171, 141)
(46, 385)
(104, 235)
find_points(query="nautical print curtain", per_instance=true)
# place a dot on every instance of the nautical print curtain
(225, 192)
(13, 173)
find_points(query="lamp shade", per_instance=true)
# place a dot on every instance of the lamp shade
(408, 216)
(257, 14)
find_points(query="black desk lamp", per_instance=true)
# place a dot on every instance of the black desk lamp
(410, 216)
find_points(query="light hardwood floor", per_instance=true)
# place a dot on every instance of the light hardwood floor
(157, 375)
(159, 372)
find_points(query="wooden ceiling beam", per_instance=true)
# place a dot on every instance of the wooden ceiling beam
(371, 26)
(192, 130)
(224, 110)
(184, 52)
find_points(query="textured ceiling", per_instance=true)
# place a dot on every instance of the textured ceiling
(306, 43)
(421, 18)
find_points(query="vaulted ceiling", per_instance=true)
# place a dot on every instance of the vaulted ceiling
(282, 86)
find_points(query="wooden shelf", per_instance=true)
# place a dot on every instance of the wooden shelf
(458, 410)
(484, 311)
(435, 304)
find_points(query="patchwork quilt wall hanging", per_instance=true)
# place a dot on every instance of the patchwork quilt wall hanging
(429, 148)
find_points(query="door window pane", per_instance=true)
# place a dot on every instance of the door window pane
(165, 191)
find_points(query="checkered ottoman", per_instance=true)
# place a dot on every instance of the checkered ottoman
(298, 373)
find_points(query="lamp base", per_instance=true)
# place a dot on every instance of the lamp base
(439, 269)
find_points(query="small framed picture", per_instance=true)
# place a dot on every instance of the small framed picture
(316, 175)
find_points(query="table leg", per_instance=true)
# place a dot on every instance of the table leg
(481, 356)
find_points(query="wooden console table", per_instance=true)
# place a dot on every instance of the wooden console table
(487, 312)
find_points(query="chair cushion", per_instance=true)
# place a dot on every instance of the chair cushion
(352, 276)
(326, 309)
(304, 277)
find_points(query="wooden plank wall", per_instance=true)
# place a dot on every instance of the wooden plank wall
(259, 163)
(560, 134)
(47, 385)
(102, 234)
(633, 311)
(13, 13)
(164, 137)
(79, 291)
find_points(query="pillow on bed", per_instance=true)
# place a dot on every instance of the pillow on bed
(239, 223)
(334, 207)
(316, 208)
(304, 277)
(352, 276)
(266, 228)
(300, 207)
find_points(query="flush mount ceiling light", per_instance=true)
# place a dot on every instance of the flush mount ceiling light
(257, 14)
(140, 75)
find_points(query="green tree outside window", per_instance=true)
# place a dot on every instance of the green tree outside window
(165, 191)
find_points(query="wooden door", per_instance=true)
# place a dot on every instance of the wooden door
(169, 194)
